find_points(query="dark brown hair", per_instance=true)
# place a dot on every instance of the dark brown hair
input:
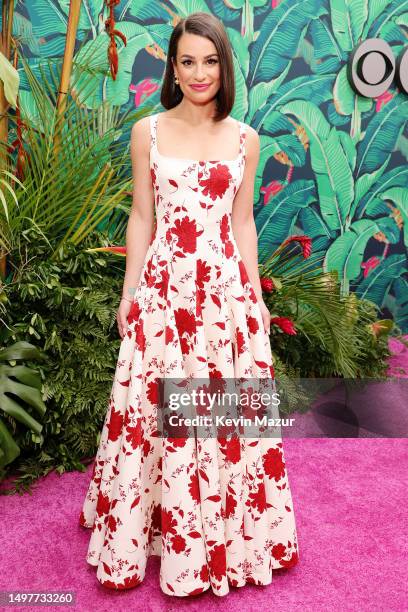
(209, 26)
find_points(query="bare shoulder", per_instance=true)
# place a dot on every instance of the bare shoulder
(141, 127)
(251, 134)
(140, 136)
(252, 141)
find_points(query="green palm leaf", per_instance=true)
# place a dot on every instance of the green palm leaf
(381, 135)
(19, 384)
(329, 162)
(346, 253)
(348, 18)
(278, 38)
(372, 202)
(278, 216)
(378, 282)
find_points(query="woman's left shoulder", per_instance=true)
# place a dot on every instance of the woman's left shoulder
(249, 130)
(251, 136)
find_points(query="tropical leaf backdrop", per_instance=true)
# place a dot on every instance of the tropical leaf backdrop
(333, 164)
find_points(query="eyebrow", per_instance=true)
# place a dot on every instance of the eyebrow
(192, 56)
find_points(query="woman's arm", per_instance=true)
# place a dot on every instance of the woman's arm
(243, 222)
(141, 218)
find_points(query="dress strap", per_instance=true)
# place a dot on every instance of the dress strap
(242, 138)
(153, 131)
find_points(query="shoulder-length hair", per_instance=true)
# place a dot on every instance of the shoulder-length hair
(209, 26)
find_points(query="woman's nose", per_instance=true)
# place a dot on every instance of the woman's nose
(199, 71)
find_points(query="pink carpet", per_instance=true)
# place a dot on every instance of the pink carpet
(350, 498)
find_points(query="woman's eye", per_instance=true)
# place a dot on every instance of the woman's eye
(185, 62)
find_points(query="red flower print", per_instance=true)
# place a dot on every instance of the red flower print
(156, 517)
(140, 337)
(203, 273)
(178, 543)
(230, 505)
(243, 273)
(252, 295)
(273, 464)
(131, 581)
(224, 228)
(168, 335)
(146, 448)
(257, 499)
(232, 450)
(135, 434)
(204, 574)
(180, 441)
(218, 562)
(163, 284)
(240, 341)
(134, 312)
(193, 487)
(252, 325)
(111, 523)
(229, 249)
(168, 523)
(185, 322)
(186, 232)
(217, 183)
(291, 561)
(278, 551)
(185, 346)
(152, 393)
(115, 425)
(103, 504)
(153, 175)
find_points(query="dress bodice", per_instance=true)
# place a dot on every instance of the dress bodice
(194, 199)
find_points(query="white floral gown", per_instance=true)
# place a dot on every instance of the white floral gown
(219, 512)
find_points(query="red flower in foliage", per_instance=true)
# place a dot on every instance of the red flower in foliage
(267, 284)
(304, 241)
(285, 324)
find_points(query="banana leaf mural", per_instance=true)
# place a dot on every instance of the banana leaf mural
(333, 165)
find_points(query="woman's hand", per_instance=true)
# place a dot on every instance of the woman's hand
(266, 316)
(122, 316)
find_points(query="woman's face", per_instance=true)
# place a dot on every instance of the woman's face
(197, 63)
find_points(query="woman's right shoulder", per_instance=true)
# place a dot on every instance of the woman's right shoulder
(141, 125)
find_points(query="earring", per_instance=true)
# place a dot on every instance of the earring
(176, 80)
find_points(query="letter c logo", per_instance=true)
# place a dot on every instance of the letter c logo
(372, 68)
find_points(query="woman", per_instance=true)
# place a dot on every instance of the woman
(218, 511)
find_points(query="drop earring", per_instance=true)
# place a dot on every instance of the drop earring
(176, 80)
